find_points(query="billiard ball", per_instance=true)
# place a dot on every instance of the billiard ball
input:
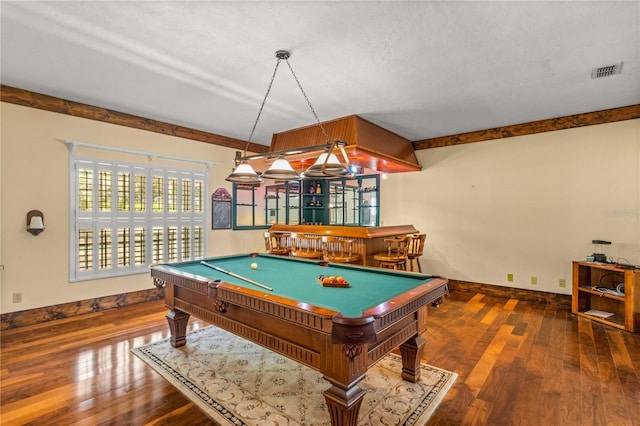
(254, 266)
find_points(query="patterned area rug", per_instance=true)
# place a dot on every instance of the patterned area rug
(237, 382)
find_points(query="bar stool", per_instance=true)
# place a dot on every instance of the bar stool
(396, 255)
(415, 250)
(306, 246)
(339, 250)
(276, 243)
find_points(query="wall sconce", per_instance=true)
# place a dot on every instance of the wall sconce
(35, 222)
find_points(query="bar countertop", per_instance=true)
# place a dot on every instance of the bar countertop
(365, 232)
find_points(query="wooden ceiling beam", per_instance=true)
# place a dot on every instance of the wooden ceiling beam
(549, 125)
(49, 103)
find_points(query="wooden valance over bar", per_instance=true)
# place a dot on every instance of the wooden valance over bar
(368, 240)
(369, 145)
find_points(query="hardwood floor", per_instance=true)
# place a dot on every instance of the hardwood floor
(520, 363)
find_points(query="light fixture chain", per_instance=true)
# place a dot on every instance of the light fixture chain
(264, 101)
(326, 137)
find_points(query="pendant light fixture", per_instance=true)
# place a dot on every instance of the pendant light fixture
(280, 170)
(244, 173)
(328, 165)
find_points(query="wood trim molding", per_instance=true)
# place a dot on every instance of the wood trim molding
(49, 103)
(65, 310)
(88, 306)
(524, 295)
(549, 125)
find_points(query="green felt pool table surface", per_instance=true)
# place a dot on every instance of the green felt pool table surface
(295, 279)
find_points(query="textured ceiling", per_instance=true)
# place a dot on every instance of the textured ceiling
(420, 69)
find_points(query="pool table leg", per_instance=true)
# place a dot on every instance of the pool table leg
(178, 327)
(411, 352)
(344, 404)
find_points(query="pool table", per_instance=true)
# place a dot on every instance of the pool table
(339, 331)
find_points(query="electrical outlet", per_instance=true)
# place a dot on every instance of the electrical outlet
(562, 283)
(534, 280)
(17, 297)
(510, 277)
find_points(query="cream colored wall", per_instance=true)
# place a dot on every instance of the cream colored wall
(526, 205)
(35, 175)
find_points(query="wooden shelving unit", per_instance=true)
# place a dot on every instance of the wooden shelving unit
(589, 280)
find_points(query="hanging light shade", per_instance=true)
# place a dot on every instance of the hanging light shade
(244, 173)
(280, 170)
(327, 164)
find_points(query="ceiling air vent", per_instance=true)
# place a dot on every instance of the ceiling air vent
(606, 71)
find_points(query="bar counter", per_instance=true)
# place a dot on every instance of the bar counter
(368, 240)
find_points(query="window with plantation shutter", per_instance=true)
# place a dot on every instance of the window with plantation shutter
(127, 216)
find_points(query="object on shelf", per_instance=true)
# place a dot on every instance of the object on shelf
(367, 188)
(618, 291)
(599, 314)
(598, 255)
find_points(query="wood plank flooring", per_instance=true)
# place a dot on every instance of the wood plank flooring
(520, 363)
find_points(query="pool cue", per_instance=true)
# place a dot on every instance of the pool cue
(235, 275)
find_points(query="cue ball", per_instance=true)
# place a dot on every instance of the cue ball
(254, 266)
